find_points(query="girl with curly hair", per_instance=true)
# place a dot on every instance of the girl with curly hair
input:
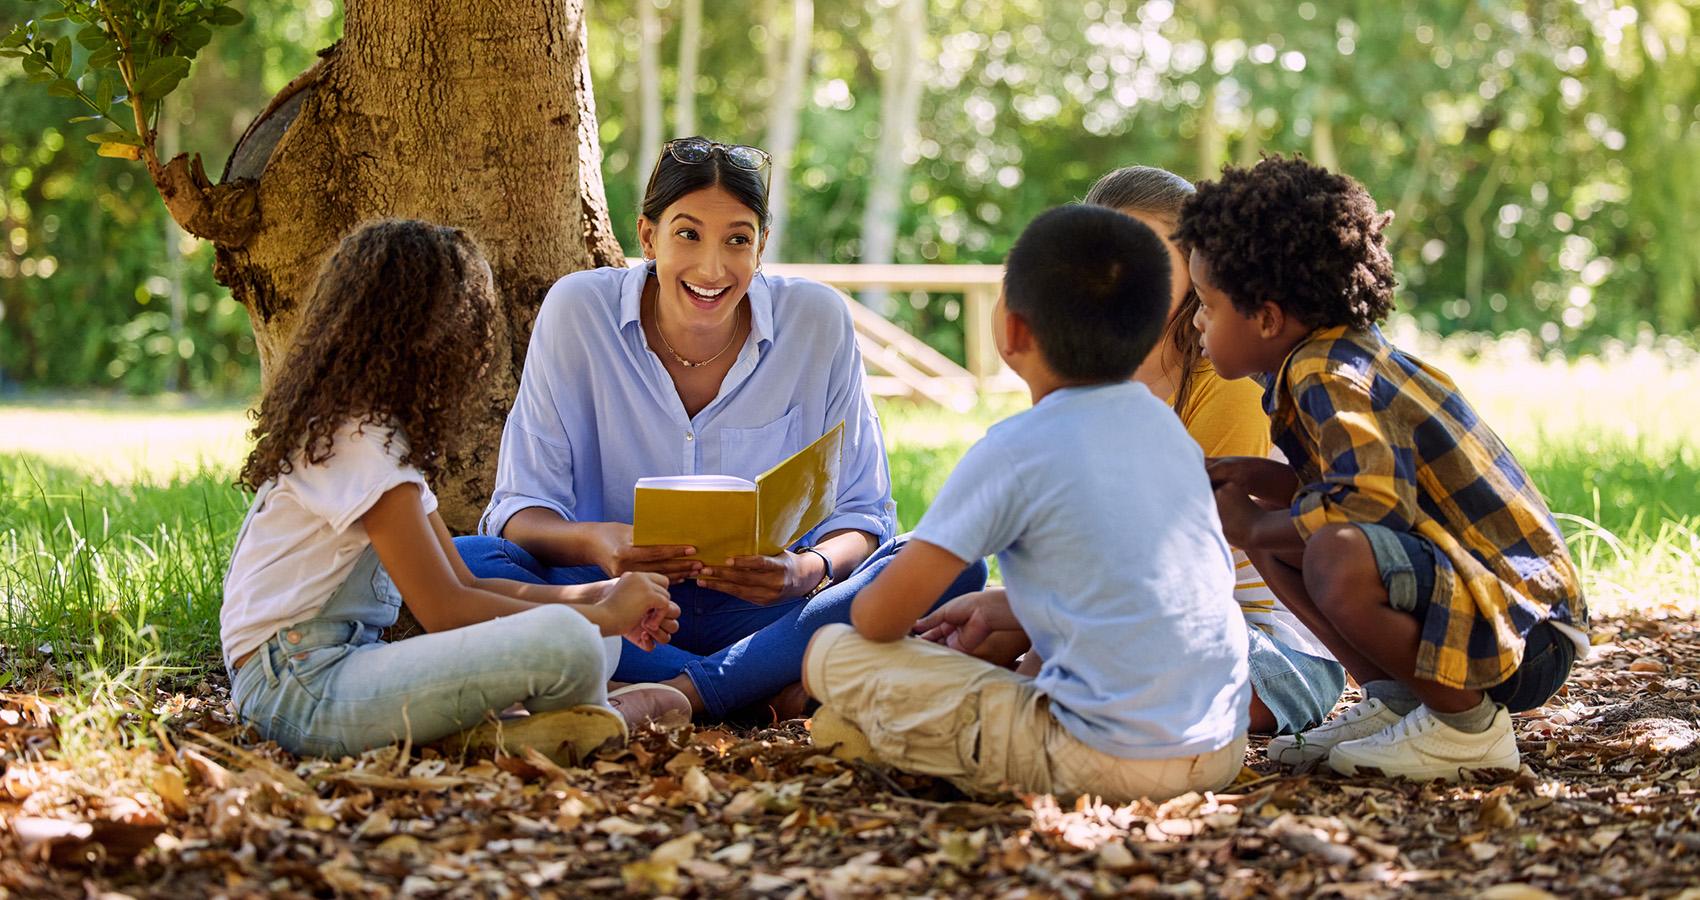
(343, 530)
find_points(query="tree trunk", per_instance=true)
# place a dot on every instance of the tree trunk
(900, 111)
(784, 119)
(474, 115)
(690, 49)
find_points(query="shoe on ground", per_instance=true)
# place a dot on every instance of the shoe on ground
(566, 736)
(1360, 720)
(840, 737)
(650, 703)
(1421, 747)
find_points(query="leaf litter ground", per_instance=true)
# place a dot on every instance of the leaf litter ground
(1607, 804)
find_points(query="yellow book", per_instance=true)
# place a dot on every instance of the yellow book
(725, 516)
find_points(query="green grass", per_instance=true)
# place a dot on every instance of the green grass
(116, 521)
(111, 575)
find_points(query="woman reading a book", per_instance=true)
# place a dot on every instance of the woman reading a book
(695, 362)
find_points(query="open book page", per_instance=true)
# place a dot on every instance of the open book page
(799, 493)
(725, 516)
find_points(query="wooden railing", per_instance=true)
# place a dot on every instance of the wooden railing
(903, 364)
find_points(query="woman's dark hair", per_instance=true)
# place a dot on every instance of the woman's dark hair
(1297, 234)
(1093, 286)
(673, 179)
(397, 330)
(1159, 194)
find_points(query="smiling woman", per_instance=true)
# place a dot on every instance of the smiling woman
(695, 362)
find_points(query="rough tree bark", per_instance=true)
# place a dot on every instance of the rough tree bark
(474, 115)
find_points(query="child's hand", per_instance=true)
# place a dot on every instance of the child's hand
(638, 607)
(966, 622)
(1264, 479)
(1238, 513)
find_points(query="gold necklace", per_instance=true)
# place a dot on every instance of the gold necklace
(656, 311)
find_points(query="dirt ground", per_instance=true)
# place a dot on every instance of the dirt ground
(1607, 804)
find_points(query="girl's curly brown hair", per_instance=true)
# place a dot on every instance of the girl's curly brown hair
(397, 330)
(1296, 234)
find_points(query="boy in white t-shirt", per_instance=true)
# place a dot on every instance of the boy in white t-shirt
(1096, 504)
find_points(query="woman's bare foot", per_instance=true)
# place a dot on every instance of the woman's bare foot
(790, 703)
(684, 685)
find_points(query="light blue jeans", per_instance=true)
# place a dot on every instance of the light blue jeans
(329, 687)
(1299, 689)
(737, 653)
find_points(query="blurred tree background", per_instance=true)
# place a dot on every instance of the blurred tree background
(1543, 158)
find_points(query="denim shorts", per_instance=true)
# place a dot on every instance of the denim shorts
(1408, 564)
(1299, 689)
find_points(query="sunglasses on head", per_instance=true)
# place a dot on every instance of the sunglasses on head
(695, 150)
(692, 151)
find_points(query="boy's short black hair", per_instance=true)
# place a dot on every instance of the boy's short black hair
(1293, 233)
(1093, 284)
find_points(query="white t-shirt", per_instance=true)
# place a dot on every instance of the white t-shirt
(1097, 506)
(305, 536)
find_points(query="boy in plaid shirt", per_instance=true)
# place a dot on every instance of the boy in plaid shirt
(1403, 533)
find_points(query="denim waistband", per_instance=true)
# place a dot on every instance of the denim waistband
(309, 635)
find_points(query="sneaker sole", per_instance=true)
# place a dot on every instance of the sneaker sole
(1345, 765)
(566, 736)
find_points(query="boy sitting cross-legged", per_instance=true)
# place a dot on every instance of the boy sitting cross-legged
(1099, 510)
(1404, 533)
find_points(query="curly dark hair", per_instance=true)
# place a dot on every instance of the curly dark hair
(397, 330)
(1294, 233)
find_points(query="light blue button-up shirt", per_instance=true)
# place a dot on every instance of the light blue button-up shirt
(596, 410)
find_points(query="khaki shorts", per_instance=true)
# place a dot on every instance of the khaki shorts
(930, 709)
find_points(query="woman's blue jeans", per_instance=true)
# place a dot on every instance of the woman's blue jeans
(737, 653)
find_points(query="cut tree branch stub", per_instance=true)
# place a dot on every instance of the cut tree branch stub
(226, 214)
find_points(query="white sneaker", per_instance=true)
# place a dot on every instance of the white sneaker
(1421, 747)
(1361, 719)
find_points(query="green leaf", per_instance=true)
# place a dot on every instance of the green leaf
(104, 57)
(34, 65)
(160, 77)
(92, 37)
(63, 87)
(78, 120)
(191, 38)
(17, 37)
(58, 15)
(13, 52)
(42, 76)
(115, 136)
(62, 54)
(224, 15)
(103, 94)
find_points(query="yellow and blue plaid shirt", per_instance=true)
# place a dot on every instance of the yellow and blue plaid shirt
(1377, 436)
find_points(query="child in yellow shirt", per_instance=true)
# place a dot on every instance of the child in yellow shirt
(1295, 680)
